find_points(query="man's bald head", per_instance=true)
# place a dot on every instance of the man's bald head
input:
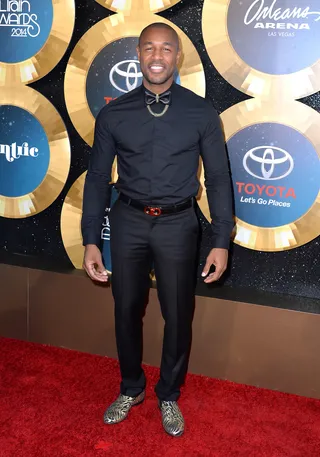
(160, 26)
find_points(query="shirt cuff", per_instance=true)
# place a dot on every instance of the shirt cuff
(91, 238)
(221, 240)
(221, 243)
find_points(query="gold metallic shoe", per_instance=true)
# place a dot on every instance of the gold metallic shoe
(120, 408)
(172, 419)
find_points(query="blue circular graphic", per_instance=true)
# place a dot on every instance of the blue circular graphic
(24, 152)
(25, 26)
(275, 172)
(114, 72)
(275, 36)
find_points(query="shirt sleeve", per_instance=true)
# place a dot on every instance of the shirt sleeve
(96, 195)
(217, 181)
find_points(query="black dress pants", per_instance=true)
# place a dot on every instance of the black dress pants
(169, 242)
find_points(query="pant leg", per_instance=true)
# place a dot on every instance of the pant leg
(174, 243)
(131, 261)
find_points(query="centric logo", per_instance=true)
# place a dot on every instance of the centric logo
(129, 71)
(34, 152)
(24, 152)
(269, 161)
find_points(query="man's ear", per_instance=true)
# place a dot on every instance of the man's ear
(138, 52)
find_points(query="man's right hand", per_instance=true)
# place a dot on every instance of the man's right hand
(93, 265)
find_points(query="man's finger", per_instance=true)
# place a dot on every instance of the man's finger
(206, 269)
(92, 272)
(99, 276)
(215, 276)
(101, 270)
(102, 274)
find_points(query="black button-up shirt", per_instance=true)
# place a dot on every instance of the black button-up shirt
(158, 158)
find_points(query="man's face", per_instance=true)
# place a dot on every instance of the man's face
(158, 55)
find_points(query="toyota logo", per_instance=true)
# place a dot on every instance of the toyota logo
(128, 71)
(270, 157)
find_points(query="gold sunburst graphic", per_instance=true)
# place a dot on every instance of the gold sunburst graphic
(71, 222)
(127, 6)
(241, 75)
(101, 35)
(50, 54)
(306, 121)
(59, 146)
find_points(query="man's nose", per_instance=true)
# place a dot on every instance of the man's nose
(157, 54)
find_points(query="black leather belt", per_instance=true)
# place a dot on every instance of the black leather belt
(157, 210)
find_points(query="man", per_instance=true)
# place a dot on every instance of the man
(157, 132)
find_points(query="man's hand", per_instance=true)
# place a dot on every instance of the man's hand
(93, 265)
(219, 258)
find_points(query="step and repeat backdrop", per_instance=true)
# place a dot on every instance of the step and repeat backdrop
(61, 61)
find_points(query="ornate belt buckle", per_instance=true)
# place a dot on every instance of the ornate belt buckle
(152, 211)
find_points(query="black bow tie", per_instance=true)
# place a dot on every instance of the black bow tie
(164, 98)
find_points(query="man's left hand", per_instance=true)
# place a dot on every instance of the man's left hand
(219, 258)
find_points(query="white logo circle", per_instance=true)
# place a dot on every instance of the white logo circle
(129, 70)
(268, 162)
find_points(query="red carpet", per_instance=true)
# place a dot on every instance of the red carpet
(52, 403)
